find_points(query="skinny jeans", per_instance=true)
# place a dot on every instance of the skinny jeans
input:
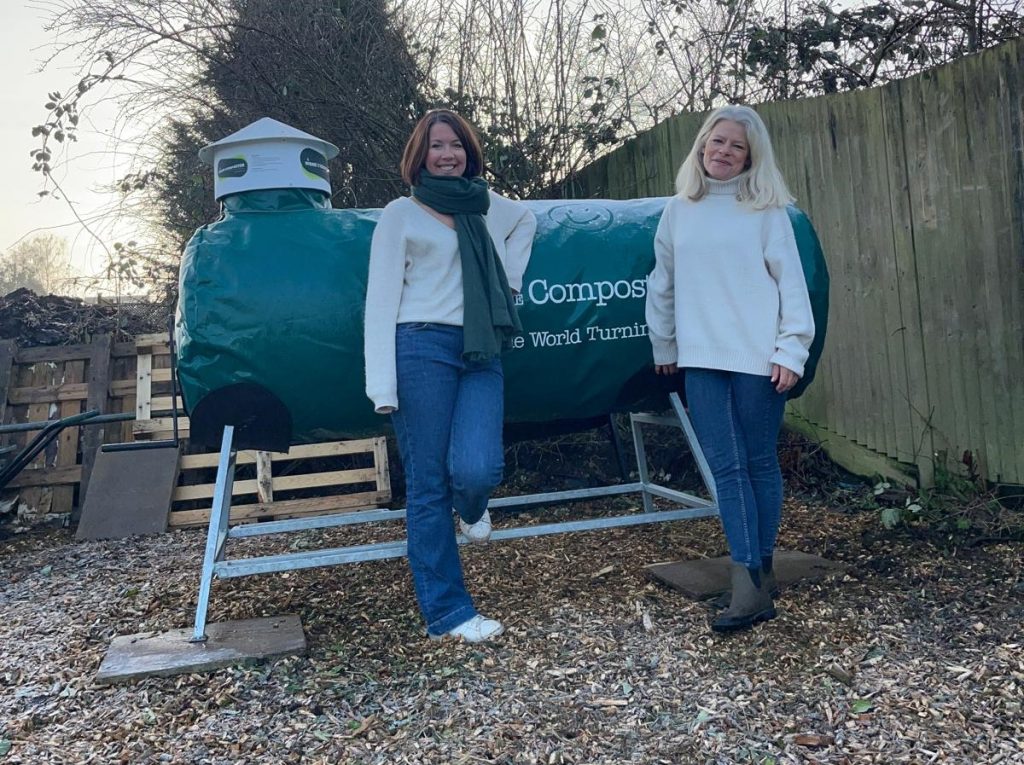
(737, 418)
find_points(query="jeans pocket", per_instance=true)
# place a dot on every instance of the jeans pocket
(414, 326)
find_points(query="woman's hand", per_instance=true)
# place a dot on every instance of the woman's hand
(783, 379)
(665, 369)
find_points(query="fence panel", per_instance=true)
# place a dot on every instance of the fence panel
(916, 189)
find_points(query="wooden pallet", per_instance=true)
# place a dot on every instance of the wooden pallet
(259, 498)
(49, 382)
(270, 494)
(153, 400)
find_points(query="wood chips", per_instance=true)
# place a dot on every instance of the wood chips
(916, 657)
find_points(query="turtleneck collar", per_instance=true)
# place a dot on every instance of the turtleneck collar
(730, 187)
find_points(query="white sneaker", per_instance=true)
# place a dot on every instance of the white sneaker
(475, 630)
(477, 533)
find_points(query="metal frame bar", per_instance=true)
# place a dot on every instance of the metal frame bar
(41, 440)
(217, 533)
(215, 563)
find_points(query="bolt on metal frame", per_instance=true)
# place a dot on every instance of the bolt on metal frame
(215, 563)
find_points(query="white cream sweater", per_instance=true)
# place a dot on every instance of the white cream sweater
(727, 291)
(416, 275)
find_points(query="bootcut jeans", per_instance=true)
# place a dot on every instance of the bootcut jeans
(737, 418)
(449, 430)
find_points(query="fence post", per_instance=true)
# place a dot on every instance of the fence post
(8, 349)
(98, 393)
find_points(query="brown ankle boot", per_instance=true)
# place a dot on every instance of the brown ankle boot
(751, 602)
(767, 579)
(768, 576)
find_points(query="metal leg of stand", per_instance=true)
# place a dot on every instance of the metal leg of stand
(217, 533)
(641, 464)
(698, 453)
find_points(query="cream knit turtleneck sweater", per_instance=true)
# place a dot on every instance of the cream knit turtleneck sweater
(728, 291)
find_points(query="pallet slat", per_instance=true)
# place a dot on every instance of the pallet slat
(47, 477)
(156, 342)
(279, 510)
(144, 386)
(164, 404)
(282, 483)
(159, 427)
(302, 451)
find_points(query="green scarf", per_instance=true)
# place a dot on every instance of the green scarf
(489, 314)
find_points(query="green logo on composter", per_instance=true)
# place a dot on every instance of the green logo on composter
(232, 167)
(314, 164)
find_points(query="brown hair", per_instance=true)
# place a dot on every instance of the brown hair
(415, 154)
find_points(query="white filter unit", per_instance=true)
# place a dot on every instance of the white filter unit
(269, 155)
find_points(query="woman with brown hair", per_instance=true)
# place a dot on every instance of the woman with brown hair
(445, 263)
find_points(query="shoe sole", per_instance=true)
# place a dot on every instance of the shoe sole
(763, 616)
(725, 599)
(475, 541)
(460, 639)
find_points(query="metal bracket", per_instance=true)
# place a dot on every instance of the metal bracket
(215, 563)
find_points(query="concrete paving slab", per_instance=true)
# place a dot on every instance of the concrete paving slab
(129, 493)
(708, 577)
(169, 653)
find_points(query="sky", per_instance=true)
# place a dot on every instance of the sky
(23, 45)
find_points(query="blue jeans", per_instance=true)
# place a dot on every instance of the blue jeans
(737, 418)
(449, 428)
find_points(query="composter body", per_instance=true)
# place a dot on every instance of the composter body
(272, 300)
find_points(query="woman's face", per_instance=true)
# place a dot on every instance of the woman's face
(445, 153)
(726, 150)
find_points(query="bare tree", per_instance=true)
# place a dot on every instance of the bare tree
(821, 47)
(552, 84)
(555, 83)
(187, 72)
(533, 75)
(41, 263)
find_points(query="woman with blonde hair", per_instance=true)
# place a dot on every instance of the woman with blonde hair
(444, 265)
(727, 302)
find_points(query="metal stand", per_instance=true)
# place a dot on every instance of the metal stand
(215, 564)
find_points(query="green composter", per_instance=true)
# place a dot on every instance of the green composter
(270, 315)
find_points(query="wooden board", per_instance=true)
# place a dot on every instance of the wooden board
(38, 496)
(159, 428)
(7, 353)
(129, 493)
(707, 577)
(164, 654)
(67, 441)
(285, 508)
(99, 398)
(153, 392)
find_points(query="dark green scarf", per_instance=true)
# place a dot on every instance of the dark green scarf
(489, 313)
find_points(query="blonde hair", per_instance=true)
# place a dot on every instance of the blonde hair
(761, 185)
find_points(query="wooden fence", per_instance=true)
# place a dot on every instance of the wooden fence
(916, 189)
(49, 383)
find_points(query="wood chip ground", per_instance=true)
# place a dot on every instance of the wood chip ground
(915, 657)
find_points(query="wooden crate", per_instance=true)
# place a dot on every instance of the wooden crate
(271, 493)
